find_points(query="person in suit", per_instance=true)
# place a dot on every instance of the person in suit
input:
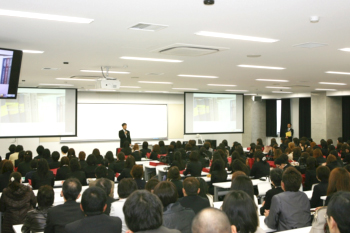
(174, 176)
(191, 199)
(14, 156)
(106, 185)
(93, 204)
(310, 173)
(63, 170)
(129, 163)
(55, 160)
(194, 167)
(137, 174)
(162, 147)
(76, 172)
(143, 212)
(91, 166)
(12, 149)
(101, 172)
(43, 175)
(59, 216)
(24, 167)
(47, 156)
(338, 212)
(289, 129)
(322, 174)
(7, 169)
(124, 135)
(260, 167)
(145, 149)
(136, 152)
(120, 164)
(155, 152)
(276, 178)
(212, 220)
(39, 150)
(20, 158)
(83, 163)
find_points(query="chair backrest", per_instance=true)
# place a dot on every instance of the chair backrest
(251, 162)
(30, 181)
(148, 155)
(54, 171)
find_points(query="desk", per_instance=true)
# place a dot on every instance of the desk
(17, 228)
(299, 230)
(263, 225)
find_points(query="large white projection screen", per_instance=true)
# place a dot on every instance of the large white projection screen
(39, 112)
(102, 122)
(213, 113)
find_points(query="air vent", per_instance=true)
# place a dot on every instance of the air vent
(310, 45)
(48, 68)
(148, 27)
(155, 74)
(253, 55)
(188, 50)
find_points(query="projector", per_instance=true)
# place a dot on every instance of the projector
(108, 84)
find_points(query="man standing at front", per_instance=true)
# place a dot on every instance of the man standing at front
(289, 132)
(124, 135)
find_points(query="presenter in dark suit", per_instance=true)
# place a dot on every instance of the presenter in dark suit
(289, 129)
(124, 135)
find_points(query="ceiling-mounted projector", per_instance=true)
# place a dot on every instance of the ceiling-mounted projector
(108, 84)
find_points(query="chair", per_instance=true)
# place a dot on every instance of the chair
(30, 181)
(54, 171)
(15, 169)
(251, 162)
(148, 155)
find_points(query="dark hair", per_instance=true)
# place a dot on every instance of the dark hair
(34, 163)
(239, 149)
(178, 157)
(340, 139)
(93, 201)
(324, 144)
(339, 180)
(64, 161)
(104, 184)
(188, 147)
(219, 167)
(276, 176)
(331, 158)
(322, 173)
(261, 156)
(126, 187)
(12, 148)
(241, 211)
(82, 156)
(145, 145)
(167, 192)
(179, 145)
(273, 142)
(137, 171)
(21, 156)
(243, 183)
(28, 156)
(203, 186)
(7, 167)
(14, 185)
(121, 156)
(123, 124)
(64, 149)
(43, 167)
(317, 153)
(283, 159)
(91, 160)
(109, 157)
(143, 211)
(191, 186)
(238, 165)
(151, 183)
(311, 163)
(161, 143)
(19, 148)
(45, 196)
(259, 142)
(339, 209)
(71, 153)
(71, 189)
(101, 171)
(194, 156)
(46, 153)
(130, 161)
(171, 149)
(292, 179)
(40, 150)
(55, 156)
(96, 152)
(74, 165)
(174, 173)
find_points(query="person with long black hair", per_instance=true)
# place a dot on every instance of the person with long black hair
(43, 175)
(260, 167)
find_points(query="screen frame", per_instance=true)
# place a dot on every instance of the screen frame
(240, 132)
(15, 72)
(53, 136)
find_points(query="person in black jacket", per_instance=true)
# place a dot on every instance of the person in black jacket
(260, 167)
(310, 174)
(55, 163)
(317, 154)
(7, 169)
(276, 178)
(47, 156)
(155, 152)
(203, 157)
(24, 167)
(332, 162)
(110, 161)
(136, 153)
(124, 136)
(40, 149)
(91, 166)
(99, 157)
(129, 163)
(175, 216)
(170, 154)
(43, 176)
(34, 167)
(174, 176)
(145, 149)
(194, 167)
(120, 164)
(180, 149)
(35, 220)
(106, 185)
(322, 174)
(137, 174)
(59, 216)
(178, 161)
(75, 171)
(12, 149)
(83, 163)
(162, 148)
(20, 158)
(126, 149)
(64, 169)
(218, 174)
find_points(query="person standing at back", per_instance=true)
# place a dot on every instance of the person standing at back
(124, 135)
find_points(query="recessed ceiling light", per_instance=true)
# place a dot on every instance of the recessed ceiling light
(23, 14)
(327, 83)
(238, 90)
(49, 84)
(31, 51)
(157, 91)
(155, 82)
(278, 87)
(129, 87)
(248, 94)
(148, 27)
(110, 72)
(321, 89)
(221, 85)
(184, 88)
(196, 76)
(105, 90)
(235, 37)
(77, 79)
(262, 67)
(150, 59)
(345, 49)
(272, 80)
(282, 92)
(336, 72)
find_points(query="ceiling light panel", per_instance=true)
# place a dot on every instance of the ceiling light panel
(235, 37)
(77, 79)
(49, 84)
(262, 67)
(196, 76)
(345, 49)
(322, 89)
(185, 88)
(151, 82)
(148, 27)
(278, 87)
(272, 80)
(328, 83)
(337, 72)
(129, 87)
(221, 85)
(282, 92)
(32, 51)
(151, 59)
(238, 90)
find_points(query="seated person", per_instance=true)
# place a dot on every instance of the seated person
(34, 166)
(290, 209)
(260, 167)
(136, 152)
(218, 174)
(126, 173)
(101, 172)
(178, 162)
(93, 204)
(310, 173)
(151, 183)
(63, 170)
(276, 178)
(194, 167)
(282, 162)
(55, 163)
(119, 165)
(83, 163)
(76, 172)
(35, 220)
(91, 166)
(322, 174)
(212, 220)
(24, 167)
(245, 184)
(174, 176)
(191, 198)
(338, 212)
(106, 185)
(339, 180)
(43, 176)
(137, 174)
(144, 149)
(155, 152)
(143, 212)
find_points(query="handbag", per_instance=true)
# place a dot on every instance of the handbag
(319, 221)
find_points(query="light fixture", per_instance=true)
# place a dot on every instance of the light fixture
(32, 51)
(110, 72)
(105, 90)
(31, 15)
(327, 83)
(278, 87)
(235, 37)
(150, 59)
(272, 80)
(282, 92)
(345, 49)
(129, 87)
(238, 90)
(336, 72)
(321, 89)
(157, 91)
(221, 85)
(196, 76)
(184, 88)
(155, 82)
(249, 94)
(49, 84)
(77, 79)
(262, 67)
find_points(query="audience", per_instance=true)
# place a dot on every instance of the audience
(64, 169)
(43, 175)
(6, 170)
(71, 153)
(14, 156)
(119, 165)
(93, 204)
(16, 200)
(245, 184)
(34, 166)
(47, 156)
(155, 152)
(338, 212)
(64, 151)
(59, 216)
(217, 174)
(310, 173)
(20, 158)
(98, 156)
(177, 161)
(137, 174)
(339, 180)
(211, 220)
(55, 163)
(151, 183)
(35, 220)
(276, 178)
(106, 185)
(260, 167)
(12, 149)
(125, 188)
(76, 172)
(238, 165)
(143, 212)
(126, 173)
(291, 208)
(145, 149)
(91, 166)
(136, 152)
(194, 167)
(24, 167)
(82, 156)
(191, 198)
(282, 162)
(162, 148)
(175, 216)
(317, 154)
(332, 162)
(203, 191)
(174, 177)
(126, 148)
(322, 174)
(101, 172)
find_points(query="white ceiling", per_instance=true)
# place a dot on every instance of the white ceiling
(104, 41)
